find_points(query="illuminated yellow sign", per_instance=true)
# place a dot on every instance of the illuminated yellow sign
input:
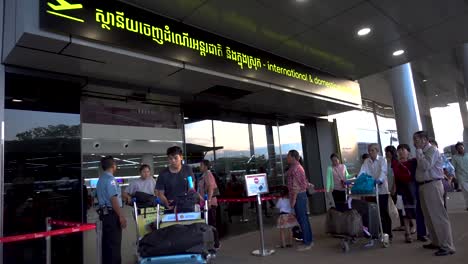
(124, 25)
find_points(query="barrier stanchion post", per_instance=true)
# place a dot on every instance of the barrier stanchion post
(262, 252)
(48, 242)
(99, 241)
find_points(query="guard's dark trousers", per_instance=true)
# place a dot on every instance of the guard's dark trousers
(111, 239)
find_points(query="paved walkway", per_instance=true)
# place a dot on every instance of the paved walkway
(327, 250)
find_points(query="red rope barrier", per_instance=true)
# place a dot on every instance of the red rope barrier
(64, 223)
(59, 232)
(254, 199)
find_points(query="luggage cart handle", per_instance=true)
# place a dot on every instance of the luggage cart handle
(157, 201)
(206, 208)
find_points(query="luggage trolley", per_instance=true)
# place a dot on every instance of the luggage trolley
(151, 218)
(382, 237)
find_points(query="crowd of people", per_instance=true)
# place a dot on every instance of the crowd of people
(421, 180)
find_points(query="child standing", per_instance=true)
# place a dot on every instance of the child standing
(286, 220)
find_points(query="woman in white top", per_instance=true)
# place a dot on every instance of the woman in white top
(145, 184)
(376, 166)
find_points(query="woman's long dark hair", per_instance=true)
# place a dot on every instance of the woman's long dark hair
(393, 152)
(295, 154)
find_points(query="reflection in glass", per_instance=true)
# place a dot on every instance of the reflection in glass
(199, 141)
(356, 129)
(233, 160)
(42, 179)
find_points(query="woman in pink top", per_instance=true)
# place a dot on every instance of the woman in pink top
(297, 185)
(207, 185)
(337, 174)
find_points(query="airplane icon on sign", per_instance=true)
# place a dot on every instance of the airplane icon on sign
(64, 5)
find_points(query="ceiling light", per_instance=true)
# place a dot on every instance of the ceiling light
(364, 31)
(17, 100)
(287, 90)
(186, 118)
(436, 95)
(424, 80)
(398, 52)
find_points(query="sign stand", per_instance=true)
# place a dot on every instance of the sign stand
(262, 252)
(256, 185)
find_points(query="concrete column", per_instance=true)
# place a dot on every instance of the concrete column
(405, 102)
(2, 136)
(461, 91)
(148, 160)
(424, 107)
(461, 96)
(251, 141)
(271, 151)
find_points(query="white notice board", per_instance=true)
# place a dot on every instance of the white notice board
(256, 184)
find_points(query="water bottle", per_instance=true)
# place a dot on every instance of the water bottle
(190, 183)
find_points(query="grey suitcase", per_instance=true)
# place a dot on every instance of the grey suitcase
(348, 223)
(370, 215)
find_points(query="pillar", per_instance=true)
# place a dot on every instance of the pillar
(271, 151)
(461, 96)
(461, 91)
(2, 136)
(405, 102)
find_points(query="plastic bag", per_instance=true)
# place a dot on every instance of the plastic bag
(364, 184)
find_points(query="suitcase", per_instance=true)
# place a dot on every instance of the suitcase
(348, 223)
(175, 259)
(178, 240)
(370, 215)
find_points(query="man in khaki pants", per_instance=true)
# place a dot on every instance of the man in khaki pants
(429, 175)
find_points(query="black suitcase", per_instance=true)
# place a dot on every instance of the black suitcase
(178, 239)
(370, 215)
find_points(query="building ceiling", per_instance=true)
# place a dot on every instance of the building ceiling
(322, 33)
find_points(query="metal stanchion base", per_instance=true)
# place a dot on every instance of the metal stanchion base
(266, 252)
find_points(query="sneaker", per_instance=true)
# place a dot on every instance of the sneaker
(431, 246)
(304, 247)
(444, 252)
(422, 239)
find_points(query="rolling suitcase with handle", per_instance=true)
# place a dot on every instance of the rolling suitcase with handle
(370, 215)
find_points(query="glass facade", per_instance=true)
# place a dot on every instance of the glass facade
(42, 175)
(357, 129)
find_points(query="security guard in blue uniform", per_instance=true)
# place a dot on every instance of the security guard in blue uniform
(110, 202)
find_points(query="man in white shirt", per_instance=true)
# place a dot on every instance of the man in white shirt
(376, 166)
(429, 175)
